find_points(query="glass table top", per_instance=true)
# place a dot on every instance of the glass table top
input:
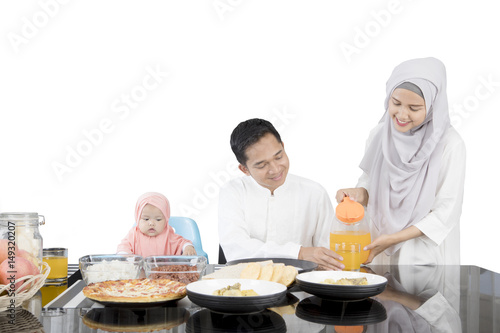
(416, 299)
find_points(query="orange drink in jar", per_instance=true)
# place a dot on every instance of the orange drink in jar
(350, 252)
(363, 238)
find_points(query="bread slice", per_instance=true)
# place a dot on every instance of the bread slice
(266, 272)
(289, 275)
(277, 272)
(252, 271)
(265, 263)
(228, 272)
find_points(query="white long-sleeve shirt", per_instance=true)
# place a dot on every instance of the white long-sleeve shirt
(440, 244)
(254, 223)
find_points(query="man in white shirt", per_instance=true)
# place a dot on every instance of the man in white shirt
(269, 213)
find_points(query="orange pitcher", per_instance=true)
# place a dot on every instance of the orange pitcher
(350, 226)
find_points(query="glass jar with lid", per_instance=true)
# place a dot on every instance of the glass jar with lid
(20, 231)
(351, 226)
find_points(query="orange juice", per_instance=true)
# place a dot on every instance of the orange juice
(58, 267)
(49, 292)
(351, 259)
(363, 239)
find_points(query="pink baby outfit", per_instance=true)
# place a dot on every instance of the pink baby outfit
(165, 243)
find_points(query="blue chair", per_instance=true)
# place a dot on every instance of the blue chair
(188, 229)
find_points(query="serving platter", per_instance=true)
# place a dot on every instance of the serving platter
(311, 282)
(135, 292)
(301, 265)
(270, 294)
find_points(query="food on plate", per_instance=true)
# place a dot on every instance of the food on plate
(266, 272)
(135, 290)
(234, 290)
(181, 273)
(348, 282)
(278, 270)
(111, 270)
(263, 270)
(289, 274)
(252, 271)
(18, 267)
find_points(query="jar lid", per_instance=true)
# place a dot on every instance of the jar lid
(23, 217)
(349, 211)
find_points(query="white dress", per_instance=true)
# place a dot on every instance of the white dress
(254, 223)
(440, 244)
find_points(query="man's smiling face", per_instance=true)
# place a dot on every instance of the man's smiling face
(267, 162)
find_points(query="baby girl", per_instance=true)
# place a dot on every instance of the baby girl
(152, 235)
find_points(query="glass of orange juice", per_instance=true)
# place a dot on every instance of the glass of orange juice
(351, 252)
(51, 290)
(57, 259)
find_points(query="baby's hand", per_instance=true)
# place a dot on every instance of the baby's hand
(189, 251)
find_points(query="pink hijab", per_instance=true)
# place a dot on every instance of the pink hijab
(165, 243)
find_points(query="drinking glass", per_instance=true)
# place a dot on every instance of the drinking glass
(57, 259)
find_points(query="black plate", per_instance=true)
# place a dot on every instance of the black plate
(311, 283)
(327, 312)
(270, 294)
(302, 265)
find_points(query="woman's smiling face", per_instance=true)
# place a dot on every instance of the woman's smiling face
(406, 109)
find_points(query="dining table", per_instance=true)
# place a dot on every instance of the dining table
(416, 299)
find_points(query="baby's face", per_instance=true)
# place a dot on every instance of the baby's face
(152, 221)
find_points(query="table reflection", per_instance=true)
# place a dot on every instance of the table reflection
(420, 299)
(135, 319)
(328, 312)
(209, 321)
(20, 321)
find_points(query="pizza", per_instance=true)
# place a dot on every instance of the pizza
(135, 291)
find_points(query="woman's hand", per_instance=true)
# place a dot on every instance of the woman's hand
(381, 243)
(189, 251)
(378, 246)
(358, 194)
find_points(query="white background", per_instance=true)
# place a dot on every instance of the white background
(67, 68)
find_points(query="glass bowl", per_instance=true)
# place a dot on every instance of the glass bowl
(185, 269)
(103, 267)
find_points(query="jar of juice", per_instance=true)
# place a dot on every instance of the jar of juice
(19, 236)
(351, 226)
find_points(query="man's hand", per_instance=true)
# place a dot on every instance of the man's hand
(358, 194)
(325, 258)
(189, 251)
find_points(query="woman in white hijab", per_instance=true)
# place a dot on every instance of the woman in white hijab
(414, 170)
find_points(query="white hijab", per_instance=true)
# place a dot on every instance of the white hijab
(404, 167)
